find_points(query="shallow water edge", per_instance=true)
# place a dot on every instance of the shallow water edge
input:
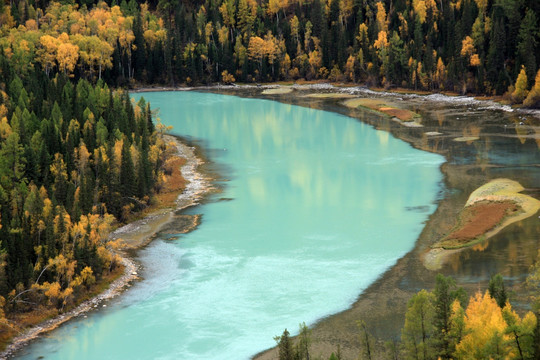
(397, 284)
(135, 235)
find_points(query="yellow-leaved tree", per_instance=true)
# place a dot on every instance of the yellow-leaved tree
(533, 99)
(67, 54)
(485, 327)
(469, 51)
(520, 92)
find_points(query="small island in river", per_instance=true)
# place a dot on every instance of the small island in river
(489, 209)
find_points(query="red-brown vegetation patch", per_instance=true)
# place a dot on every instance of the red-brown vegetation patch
(174, 180)
(476, 220)
(401, 114)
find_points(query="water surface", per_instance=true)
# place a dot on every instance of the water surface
(317, 206)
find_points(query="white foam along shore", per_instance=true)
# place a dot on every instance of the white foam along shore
(197, 186)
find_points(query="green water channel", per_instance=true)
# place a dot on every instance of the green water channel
(316, 206)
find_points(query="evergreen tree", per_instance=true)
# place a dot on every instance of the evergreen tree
(127, 172)
(285, 347)
(497, 291)
(528, 42)
(445, 293)
(12, 162)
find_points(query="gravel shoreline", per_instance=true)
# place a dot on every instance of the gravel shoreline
(197, 186)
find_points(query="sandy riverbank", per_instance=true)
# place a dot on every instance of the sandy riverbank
(133, 236)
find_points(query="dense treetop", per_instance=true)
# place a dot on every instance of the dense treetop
(478, 46)
(75, 157)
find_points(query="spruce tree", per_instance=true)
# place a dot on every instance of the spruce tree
(497, 291)
(445, 293)
(528, 42)
(285, 347)
(127, 172)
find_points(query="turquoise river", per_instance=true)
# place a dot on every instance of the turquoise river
(314, 208)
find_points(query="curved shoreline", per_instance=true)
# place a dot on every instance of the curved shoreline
(396, 285)
(136, 234)
(383, 302)
(377, 285)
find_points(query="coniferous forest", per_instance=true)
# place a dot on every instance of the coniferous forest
(76, 156)
(73, 158)
(465, 46)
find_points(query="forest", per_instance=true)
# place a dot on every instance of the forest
(76, 158)
(77, 155)
(464, 46)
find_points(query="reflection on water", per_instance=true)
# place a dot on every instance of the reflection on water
(507, 147)
(319, 205)
(320, 208)
(509, 253)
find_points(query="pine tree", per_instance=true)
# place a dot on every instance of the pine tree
(127, 172)
(528, 42)
(445, 293)
(285, 347)
(497, 291)
(12, 162)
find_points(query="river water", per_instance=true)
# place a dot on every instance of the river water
(315, 206)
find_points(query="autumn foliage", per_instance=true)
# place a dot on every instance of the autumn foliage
(74, 161)
(463, 46)
(437, 326)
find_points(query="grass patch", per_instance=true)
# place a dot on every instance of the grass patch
(330, 96)
(382, 107)
(278, 91)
